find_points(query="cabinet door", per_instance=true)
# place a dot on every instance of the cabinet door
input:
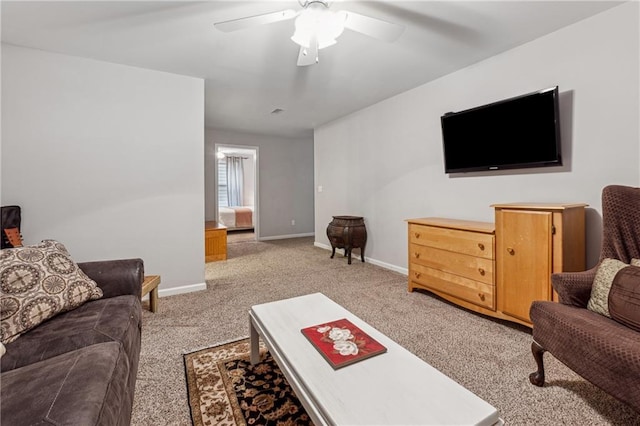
(523, 256)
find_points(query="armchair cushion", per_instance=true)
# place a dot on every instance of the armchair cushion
(624, 297)
(38, 282)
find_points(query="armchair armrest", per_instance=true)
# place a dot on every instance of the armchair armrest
(116, 277)
(574, 288)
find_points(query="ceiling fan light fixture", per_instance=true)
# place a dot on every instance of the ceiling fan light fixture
(319, 23)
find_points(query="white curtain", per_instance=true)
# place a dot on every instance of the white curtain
(235, 181)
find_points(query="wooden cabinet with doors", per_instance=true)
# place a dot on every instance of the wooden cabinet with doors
(532, 242)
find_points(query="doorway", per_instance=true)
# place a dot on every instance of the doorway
(236, 191)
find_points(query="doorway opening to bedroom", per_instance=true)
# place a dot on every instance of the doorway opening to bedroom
(237, 191)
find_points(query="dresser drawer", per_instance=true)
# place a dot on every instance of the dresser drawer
(466, 242)
(478, 293)
(475, 268)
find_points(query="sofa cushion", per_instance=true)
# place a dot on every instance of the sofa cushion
(83, 387)
(114, 319)
(38, 282)
(599, 300)
(624, 297)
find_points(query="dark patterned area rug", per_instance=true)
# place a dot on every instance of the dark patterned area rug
(225, 389)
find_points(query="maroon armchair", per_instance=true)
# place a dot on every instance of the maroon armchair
(598, 348)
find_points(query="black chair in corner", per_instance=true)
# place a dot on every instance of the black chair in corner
(10, 217)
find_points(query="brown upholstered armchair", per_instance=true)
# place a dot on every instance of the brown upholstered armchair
(598, 348)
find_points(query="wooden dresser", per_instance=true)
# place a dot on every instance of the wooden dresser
(454, 259)
(498, 270)
(215, 241)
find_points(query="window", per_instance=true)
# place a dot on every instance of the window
(222, 183)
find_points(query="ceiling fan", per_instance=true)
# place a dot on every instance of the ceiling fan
(317, 27)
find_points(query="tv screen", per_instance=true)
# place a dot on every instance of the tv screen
(518, 132)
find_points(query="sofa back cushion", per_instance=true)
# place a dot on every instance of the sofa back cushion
(38, 282)
(624, 297)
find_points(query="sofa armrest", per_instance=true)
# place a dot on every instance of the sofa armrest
(574, 288)
(116, 277)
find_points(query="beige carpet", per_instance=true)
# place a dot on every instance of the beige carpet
(489, 357)
(242, 236)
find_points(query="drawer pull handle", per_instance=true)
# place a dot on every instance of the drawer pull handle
(481, 246)
(418, 274)
(416, 255)
(481, 271)
(481, 296)
(511, 251)
(417, 235)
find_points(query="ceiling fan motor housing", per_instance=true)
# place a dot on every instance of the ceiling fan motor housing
(305, 3)
(317, 24)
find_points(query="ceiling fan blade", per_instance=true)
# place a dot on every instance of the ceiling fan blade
(254, 21)
(373, 27)
(308, 55)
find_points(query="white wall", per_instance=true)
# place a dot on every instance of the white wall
(248, 180)
(285, 181)
(385, 162)
(107, 159)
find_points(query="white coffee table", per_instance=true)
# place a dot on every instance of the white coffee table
(394, 388)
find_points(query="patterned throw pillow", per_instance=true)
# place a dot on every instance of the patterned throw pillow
(38, 282)
(599, 300)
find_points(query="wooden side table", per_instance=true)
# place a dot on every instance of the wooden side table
(347, 232)
(215, 241)
(150, 284)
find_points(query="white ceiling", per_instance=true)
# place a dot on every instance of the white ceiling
(250, 73)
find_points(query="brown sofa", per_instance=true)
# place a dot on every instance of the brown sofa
(80, 366)
(598, 348)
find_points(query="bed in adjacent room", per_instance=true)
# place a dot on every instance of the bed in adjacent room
(236, 217)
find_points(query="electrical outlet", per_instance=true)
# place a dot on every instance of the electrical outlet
(293, 222)
(320, 188)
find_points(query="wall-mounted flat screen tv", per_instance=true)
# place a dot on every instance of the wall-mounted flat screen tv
(518, 132)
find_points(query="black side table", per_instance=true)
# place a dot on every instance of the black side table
(347, 232)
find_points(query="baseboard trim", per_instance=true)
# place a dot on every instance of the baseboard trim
(325, 246)
(284, 237)
(179, 290)
(385, 265)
